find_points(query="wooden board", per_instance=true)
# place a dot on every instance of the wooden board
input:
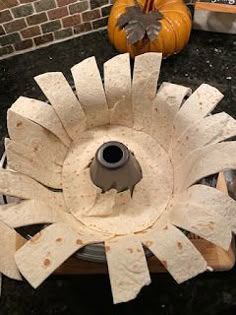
(217, 258)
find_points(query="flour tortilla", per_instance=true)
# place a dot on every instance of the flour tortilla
(168, 100)
(204, 162)
(209, 130)
(9, 243)
(117, 82)
(85, 232)
(144, 87)
(175, 252)
(214, 201)
(26, 160)
(30, 134)
(128, 270)
(29, 212)
(86, 152)
(90, 92)
(103, 202)
(121, 214)
(42, 114)
(192, 215)
(24, 187)
(59, 93)
(50, 248)
(197, 106)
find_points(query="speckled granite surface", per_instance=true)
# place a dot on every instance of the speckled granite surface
(209, 58)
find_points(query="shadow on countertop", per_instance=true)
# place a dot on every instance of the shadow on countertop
(209, 58)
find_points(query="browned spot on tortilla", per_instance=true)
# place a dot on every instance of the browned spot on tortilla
(130, 250)
(135, 266)
(19, 124)
(79, 242)
(148, 243)
(180, 245)
(47, 262)
(156, 109)
(36, 148)
(166, 227)
(36, 238)
(164, 263)
(139, 250)
(107, 249)
(187, 137)
(59, 240)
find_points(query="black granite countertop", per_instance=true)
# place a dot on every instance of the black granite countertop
(209, 58)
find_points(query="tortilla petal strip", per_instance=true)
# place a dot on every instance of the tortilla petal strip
(197, 106)
(30, 134)
(42, 114)
(193, 216)
(29, 212)
(204, 162)
(9, 243)
(209, 130)
(214, 201)
(21, 186)
(59, 93)
(127, 267)
(28, 161)
(90, 92)
(146, 74)
(117, 74)
(175, 251)
(48, 249)
(168, 100)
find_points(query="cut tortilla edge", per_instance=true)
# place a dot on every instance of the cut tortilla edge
(175, 251)
(125, 255)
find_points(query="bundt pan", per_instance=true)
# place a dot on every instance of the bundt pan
(119, 164)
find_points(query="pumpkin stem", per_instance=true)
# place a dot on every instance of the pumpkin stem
(149, 6)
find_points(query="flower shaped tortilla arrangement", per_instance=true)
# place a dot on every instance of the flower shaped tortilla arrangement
(176, 142)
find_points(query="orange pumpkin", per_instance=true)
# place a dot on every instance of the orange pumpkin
(175, 25)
